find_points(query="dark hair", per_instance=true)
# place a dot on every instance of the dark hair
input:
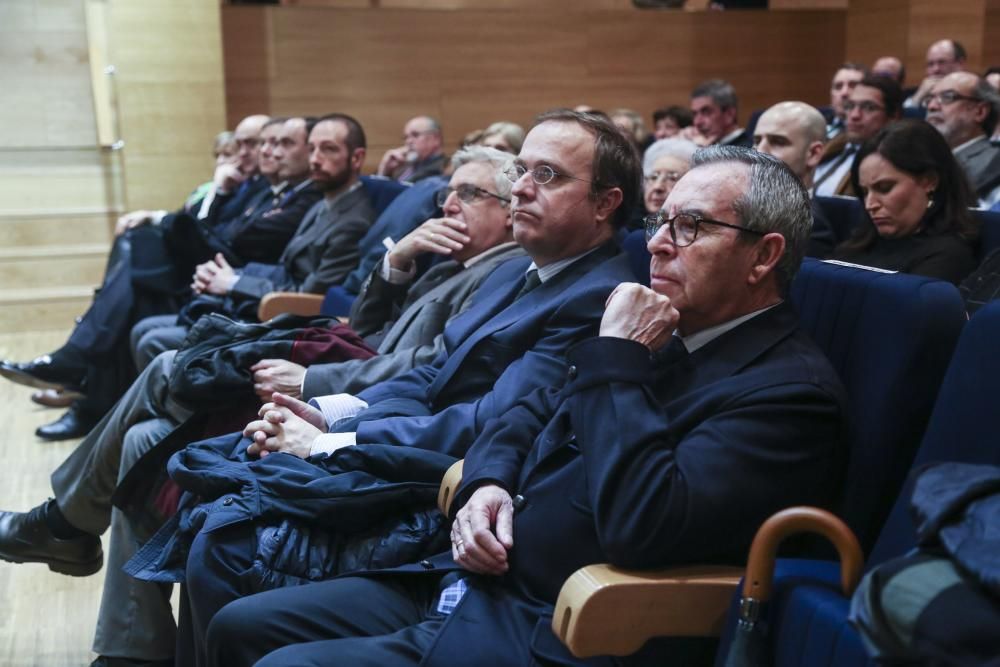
(616, 161)
(310, 123)
(681, 115)
(915, 147)
(722, 93)
(355, 133)
(892, 94)
(958, 50)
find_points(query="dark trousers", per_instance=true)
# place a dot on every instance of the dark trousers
(347, 621)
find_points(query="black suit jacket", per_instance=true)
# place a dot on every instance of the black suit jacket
(644, 465)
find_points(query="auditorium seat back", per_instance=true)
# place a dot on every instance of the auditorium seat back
(889, 337)
(808, 614)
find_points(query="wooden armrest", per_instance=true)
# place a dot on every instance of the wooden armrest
(452, 478)
(604, 610)
(295, 303)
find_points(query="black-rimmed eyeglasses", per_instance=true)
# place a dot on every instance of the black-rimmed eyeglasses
(684, 227)
(946, 97)
(467, 194)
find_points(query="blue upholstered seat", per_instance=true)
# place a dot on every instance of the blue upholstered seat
(808, 616)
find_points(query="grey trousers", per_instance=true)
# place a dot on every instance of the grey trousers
(154, 335)
(135, 620)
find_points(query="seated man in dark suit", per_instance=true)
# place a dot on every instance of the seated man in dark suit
(420, 156)
(716, 116)
(322, 251)
(795, 132)
(964, 109)
(652, 454)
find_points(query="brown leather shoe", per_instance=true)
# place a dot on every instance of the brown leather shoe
(54, 398)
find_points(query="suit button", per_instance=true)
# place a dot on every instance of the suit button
(519, 502)
(571, 374)
(427, 565)
(228, 501)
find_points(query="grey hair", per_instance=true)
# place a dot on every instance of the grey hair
(986, 93)
(511, 132)
(672, 146)
(722, 93)
(775, 201)
(499, 160)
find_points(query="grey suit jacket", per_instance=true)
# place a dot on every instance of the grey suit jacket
(981, 161)
(408, 333)
(321, 254)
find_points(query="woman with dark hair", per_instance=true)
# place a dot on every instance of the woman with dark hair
(916, 200)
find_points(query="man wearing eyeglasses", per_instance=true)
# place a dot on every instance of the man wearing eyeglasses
(874, 103)
(964, 109)
(698, 411)
(420, 155)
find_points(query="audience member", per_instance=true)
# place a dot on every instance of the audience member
(916, 202)
(63, 532)
(871, 105)
(650, 456)
(420, 155)
(663, 164)
(714, 108)
(632, 126)
(669, 121)
(224, 152)
(503, 136)
(964, 109)
(844, 80)
(891, 67)
(943, 57)
(992, 77)
(795, 133)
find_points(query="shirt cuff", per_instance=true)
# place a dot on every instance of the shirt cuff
(328, 443)
(156, 217)
(338, 406)
(395, 276)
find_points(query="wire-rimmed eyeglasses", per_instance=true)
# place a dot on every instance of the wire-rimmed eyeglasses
(684, 227)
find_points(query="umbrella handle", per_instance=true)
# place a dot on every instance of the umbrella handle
(760, 565)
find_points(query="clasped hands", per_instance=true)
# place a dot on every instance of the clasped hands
(287, 425)
(214, 277)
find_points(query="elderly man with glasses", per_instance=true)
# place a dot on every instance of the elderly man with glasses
(964, 109)
(421, 154)
(697, 411)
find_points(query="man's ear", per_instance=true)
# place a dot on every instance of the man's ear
(608, 202)
(770, 249)
(814, 154)
(358, 159)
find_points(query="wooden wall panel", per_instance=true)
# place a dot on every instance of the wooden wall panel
(44, 75)
(168, 57)
(472, 67)
(991, 35)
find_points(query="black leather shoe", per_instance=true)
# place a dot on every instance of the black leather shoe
(70, 425)
(26, 538)
(40, 373)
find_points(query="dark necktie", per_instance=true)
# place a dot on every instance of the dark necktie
(849, 151)
(531, 281)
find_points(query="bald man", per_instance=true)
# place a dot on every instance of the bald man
(963, 107)
(892, 67)
(944, 57)
(795, 133)
(421, 154)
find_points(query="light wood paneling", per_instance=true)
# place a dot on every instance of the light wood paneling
(168, 58)
(474, 66)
